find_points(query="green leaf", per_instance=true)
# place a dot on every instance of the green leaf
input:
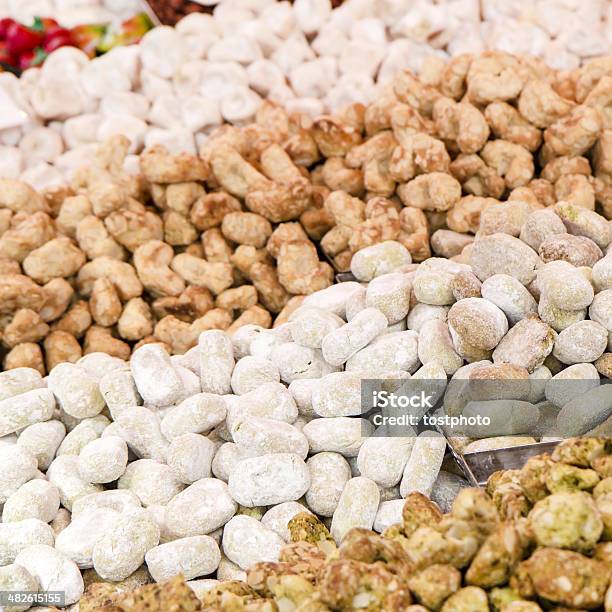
(38, 24)
(39, 56)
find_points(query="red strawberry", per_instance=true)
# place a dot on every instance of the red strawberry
(5, 24)
(59, 37)
(20, 39)
(31, 58)
(5, 56)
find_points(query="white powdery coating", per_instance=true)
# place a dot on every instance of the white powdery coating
(98, 365)
(65, 475)
(228, 570)
(76, 391)
(335, 298)
(53, 570)
(424, 464)
(17, 466)
(421, 313)
(103, 460)
(510, 296)
(526, 345)
(201, 508)
(264, 343)
(85, 431)
(121, 551)
(302, 391)
(19, 380)
(158, 383)
(257, 436)
(15, 537)
(356, 304)
(310, 325)
(503, 254)
(329, 473)
(246, 542)
(294, 362)
(540, 225)
(43, 440)
(16, 578)
(197, 414)
(121, 500)
(379, 259)
(190, 457)
(150, 481)
(272, 400)
(436, 345)
(119, 392)
(564, 286)
(216, 361)
(396, 351)
(140, 428)
(241, 339)
(158, 513)
(226, 458)
(580, 221)
(191, 557)
(190, 381)
(339, 345)
(252, 372)
(162, 51)
(478, 322)
(337, 395)
(390, 293)
(581, 342)
(37, 499)
(189, 360)
(602, 273)
(25, 409)
(357, 507)
(601, 309)
(343, 435)
(383, 459)
(269, 480)
(78, 539)
(277, 517)
(389, 513)
(432, 284)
